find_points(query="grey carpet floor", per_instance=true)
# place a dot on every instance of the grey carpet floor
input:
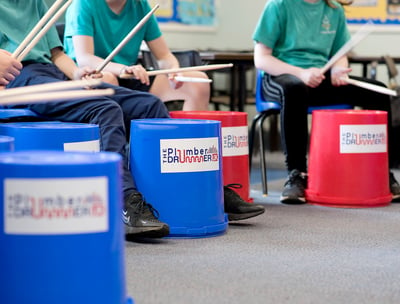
(290, 254)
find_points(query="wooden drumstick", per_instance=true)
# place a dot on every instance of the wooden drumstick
(54, 96)
(50, 87)
(126, 39)
(179, 70)
(43, 31)
(370, 86)
(192, 79)
(360, 35)
(37, 27)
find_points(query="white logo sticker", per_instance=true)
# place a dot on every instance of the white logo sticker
(89, 146)
(235, 141)
(363, 138)
(55, 205)
(189, 154)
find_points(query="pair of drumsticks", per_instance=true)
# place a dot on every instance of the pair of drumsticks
(57, 91)
(65, 90)
(360, 35)
(50, 91)
(158, 72)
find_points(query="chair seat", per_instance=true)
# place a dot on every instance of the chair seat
(19, 115)
(267, 106)
(10, 113)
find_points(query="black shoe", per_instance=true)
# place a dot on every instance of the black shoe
(394, 188)
(294, 189)
(141, 219)
(236, 208)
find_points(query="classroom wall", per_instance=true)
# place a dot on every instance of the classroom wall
(236, 20)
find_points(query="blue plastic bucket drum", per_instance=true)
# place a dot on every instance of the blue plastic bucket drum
(6, 143)
(61, 235)
(177, 166)
(53, 135)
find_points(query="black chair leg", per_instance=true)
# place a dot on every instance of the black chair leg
(264, 181)
(251, 138)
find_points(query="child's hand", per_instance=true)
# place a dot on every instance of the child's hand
(173, 82)
(337, 73)
(9, 68)
(86, 73)
(312, 77)
(138, 71)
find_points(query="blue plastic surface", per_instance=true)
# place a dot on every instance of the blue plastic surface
(48, 135)
(177, 166)
(6, 143)
(61, 237)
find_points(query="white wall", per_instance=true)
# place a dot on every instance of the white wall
(236, 20)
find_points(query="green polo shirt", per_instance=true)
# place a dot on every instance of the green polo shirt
(18, 18)
(300, 33)
(94, 18)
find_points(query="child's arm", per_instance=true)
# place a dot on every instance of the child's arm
(264, 60)
(68, 66)
(9, 67)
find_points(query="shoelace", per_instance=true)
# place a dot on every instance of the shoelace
(234, 186)
(141, 206)
(296, 179)
(393, 180)
(152, 210)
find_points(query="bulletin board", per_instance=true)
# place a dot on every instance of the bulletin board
(186, 13)
(382, 12)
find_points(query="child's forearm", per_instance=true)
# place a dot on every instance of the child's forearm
(64, 63)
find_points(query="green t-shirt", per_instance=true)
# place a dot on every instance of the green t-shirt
(18, 18)
(94, 18)
(300, 33)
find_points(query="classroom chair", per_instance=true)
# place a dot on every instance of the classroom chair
(18, 115)
(266, 109)
(186, 58)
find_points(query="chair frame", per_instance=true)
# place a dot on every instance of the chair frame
(266, 109)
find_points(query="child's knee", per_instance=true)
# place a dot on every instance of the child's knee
(110, 78)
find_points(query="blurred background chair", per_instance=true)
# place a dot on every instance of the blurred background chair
(395, 105)
(186, 58)
(18, 115)
(392, 72)
(60, 26)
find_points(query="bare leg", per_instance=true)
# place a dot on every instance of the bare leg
(196, 95)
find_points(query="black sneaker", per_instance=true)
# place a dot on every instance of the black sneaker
(141, 219)
(236, 208)
(294, 189)
(394, 188)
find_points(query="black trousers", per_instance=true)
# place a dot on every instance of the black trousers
(295, 98)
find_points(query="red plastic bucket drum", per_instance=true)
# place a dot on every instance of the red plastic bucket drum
(348, 161)
(235, 146)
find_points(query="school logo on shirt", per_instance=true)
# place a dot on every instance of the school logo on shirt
(326, 26)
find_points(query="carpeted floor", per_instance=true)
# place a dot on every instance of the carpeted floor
(290, 254)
